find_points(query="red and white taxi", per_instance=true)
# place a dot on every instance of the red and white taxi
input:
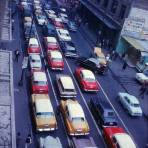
(55, 60)
(33, 46)
(116, 137)
(58, 23)
(51, 43)
(86, 80)
(39, 83)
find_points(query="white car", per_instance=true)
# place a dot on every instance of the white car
(41, 19)
(64, 17)
(63, 35)
(46, 142)
(141, 77)
(35, 61)
(51, 14)
(130, 103)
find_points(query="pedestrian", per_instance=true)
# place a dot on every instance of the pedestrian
(114, 55)
(143, 89)
(17, 54)
(18, 139)
(29, 139)
(124, 65)
(108, 58)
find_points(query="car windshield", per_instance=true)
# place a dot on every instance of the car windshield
(34, 45)
(52, 43)
(41, 83)
(90, 79)
(135, 105)
(94, 60)
(45, 114)
(78, 119)
(109, 114)
(35, 61)
(57, 59)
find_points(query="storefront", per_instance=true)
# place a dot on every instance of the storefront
(136, 51)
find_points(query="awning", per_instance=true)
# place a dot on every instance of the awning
(100, 16)
(134, 42)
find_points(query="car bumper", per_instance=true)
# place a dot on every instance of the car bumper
(45, 129)
(78, 134)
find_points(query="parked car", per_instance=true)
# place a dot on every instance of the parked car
(51, 43)
(69, 49)
(35, 62)
(63, 35)
(74, 118)
(72, 26)
(65, 86)
(103, 113)
(39, 83)
(130, 103)
(142, 78)
(33, 46)
(86, 80)
(43, 113)
(55, 60)
(116, 137)
(83, 142)
(45, 142)
(58, 23)
(92, 64)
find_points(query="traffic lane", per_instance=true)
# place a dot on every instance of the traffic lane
(93, 131)
(112, 93)
(60, 132)
(137, 126)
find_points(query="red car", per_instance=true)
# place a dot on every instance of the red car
(58, 23)
(39, 83)
(86, 80)
(116, 137)
(51, 43)
(33, 46)
(55, 60)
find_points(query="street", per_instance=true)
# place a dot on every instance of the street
(116, 80)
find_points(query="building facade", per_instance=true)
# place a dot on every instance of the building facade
(105, 16)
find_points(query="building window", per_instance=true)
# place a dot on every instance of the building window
(114, 6)
(105, 3)
(122, 12)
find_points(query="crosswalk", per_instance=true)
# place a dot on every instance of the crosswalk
(5, 25)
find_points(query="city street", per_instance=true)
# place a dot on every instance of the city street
(116, 80)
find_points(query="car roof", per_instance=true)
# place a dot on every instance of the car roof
(51, 11)
(49, 140)
(63, 14)
(58, 19)
(43, 105)
(56, 54)
(87, 74)
(124, 140)
(35, 56)
(39, 76)
(33, 41)
(67, 82)
(28, 19)
(132, 98)
(84, 142)
(75, 109)
(51, 39)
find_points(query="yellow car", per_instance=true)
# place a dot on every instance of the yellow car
(43, 113)
(74, 117)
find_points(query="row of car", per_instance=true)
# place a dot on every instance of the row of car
(72, 112)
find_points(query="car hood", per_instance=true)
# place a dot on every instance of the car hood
(80, 126)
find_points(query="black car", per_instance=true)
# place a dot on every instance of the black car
(69, 49)
(92, 64)
(103, 113)
(48, 30)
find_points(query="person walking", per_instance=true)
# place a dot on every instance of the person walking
(28, 140)
(17, 54)
(124, 65)
(18, 139)
(143, 89)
